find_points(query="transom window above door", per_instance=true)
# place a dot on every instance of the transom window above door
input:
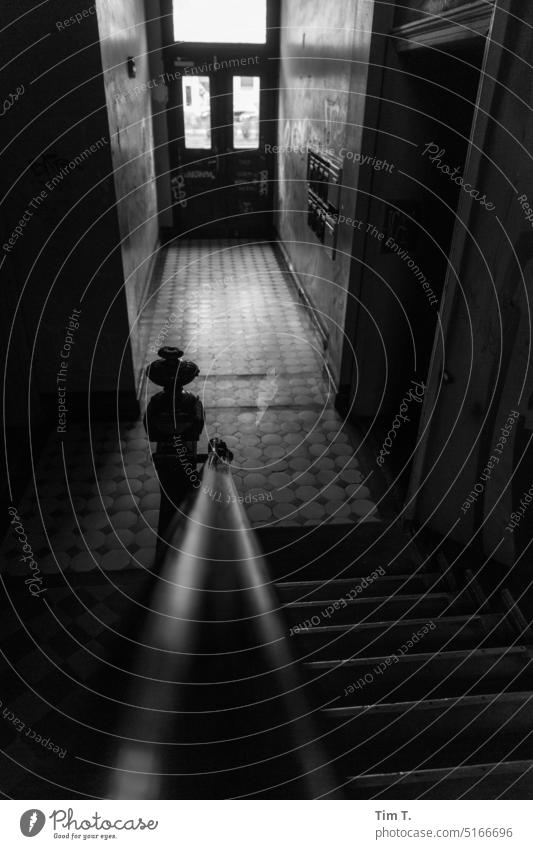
(220, 21)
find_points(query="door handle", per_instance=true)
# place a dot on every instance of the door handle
(445, 377)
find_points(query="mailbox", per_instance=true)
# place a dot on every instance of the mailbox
(324, 180)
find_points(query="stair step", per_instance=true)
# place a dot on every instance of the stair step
(416, 688)
(387, 638)
(423, 676)
(373, 608)
(505, 780)
(383, 585)
(340, 551)
(432, 733)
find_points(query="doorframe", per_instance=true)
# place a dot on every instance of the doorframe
(492, 59)
(381, 24)
(198, 53)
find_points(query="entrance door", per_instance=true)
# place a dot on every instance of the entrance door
(418, 93)
(455, 419)
(222, 122)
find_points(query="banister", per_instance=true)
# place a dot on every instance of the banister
(213, 606)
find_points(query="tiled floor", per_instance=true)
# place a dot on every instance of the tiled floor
(233, 309)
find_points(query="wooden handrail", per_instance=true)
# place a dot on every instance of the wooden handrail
(214, 585)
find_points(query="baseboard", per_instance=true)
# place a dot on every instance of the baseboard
(343, 401)
(324, 335)
(140, 374)
(319, 327)
(166, 236)
(147, 283)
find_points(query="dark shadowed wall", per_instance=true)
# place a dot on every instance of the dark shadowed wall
(488, 343)
(427, 97)
(57, 148)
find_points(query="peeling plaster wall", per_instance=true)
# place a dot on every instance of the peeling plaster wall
(319, 40)
(122, 30)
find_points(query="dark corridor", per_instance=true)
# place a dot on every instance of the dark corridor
(267, 414)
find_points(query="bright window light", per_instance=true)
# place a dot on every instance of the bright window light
(197, 112)
(246, 112)
(220, 21)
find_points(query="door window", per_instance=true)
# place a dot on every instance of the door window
(197, 112)
(245, 112)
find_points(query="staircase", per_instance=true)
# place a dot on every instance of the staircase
(421, 688)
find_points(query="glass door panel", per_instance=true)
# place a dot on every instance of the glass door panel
(246, 91)
(196, 93)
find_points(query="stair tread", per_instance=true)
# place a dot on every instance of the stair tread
(417, 775)
(412, 657)
(466, 658)
(382, 578)
(374, 599)
(430, 704)
(445, 620)
(341, 531)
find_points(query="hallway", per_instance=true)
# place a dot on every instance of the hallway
(235, 312)
(267, 404)
(92, 513)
